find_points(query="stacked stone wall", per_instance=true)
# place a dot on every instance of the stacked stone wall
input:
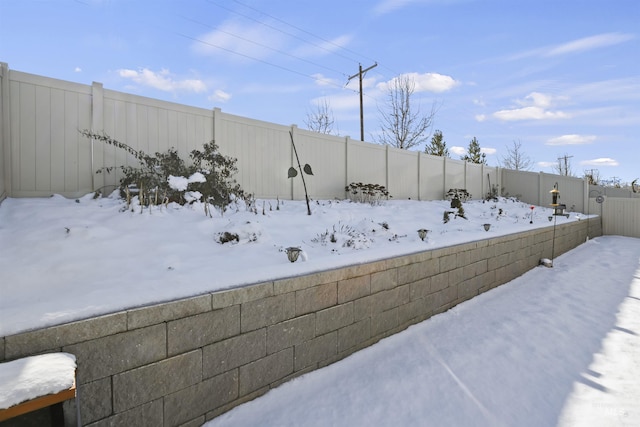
(184, 362)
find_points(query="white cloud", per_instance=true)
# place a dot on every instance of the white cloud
(481, 117)
(547, 164)
(321, 80)
(603, 161)
(162, 80)
(234, 38)
(460, 151)
(77, 70)
(579, 45)
(220, 96)
(426, 82)
(488, 151)
(529, 113)
(589, 43)
(572, 139)
(535, 106)
(324, 47)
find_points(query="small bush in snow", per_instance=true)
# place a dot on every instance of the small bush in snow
(366, 193)
(165, 177)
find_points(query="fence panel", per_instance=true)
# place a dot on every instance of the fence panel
(403, 173)
(431, 177)
(454, 176)
(42, 152)
(621, 216)
(5, 158)
(263, 152)
(49, 154)
(367, 163)
(326, 155)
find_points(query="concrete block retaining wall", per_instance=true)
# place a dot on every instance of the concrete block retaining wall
(184, 362)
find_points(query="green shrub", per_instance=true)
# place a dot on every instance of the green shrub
(150, 180)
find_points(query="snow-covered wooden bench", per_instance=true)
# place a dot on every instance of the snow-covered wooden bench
(37, 382)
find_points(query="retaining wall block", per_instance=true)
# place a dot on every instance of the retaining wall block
(384, 280)
(290, 333)
(298, 283)
(150, 382)
(265, 371)
(233, 352)
(354, 288)
(439, 282)
(416, 271)
(353, 335)
(230, 297)
(384, 322)
(448, 262)
(316, 298)
(117, 353)
(267, 311)
(310, 353)
(207, 328)
(55, 337)
(200, 398)
(152, 315)
(334, 318)
(196, 422)
(147, 415)
(95, 400)
(419, 289)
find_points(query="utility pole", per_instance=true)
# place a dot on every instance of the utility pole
(566, 164)
(361, 73)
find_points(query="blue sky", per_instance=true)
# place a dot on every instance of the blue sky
(561, 77)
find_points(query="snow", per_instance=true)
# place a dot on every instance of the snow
(556, 347)
(35, 376)
(63, 260)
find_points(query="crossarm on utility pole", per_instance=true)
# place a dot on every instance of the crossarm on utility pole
(360, 74)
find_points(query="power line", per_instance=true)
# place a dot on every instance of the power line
(263, 45)
(259, 60)
(304, 31)
(279, 30)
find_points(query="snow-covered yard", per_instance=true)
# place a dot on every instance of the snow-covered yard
(556, 347)
(63, 260)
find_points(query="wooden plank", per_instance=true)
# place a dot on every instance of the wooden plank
(37, 403)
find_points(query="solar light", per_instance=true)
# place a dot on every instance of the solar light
(293, 253)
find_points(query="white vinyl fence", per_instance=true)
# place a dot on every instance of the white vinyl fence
(42, 151)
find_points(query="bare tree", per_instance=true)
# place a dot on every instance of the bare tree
(564, 166)
(321, 119)
(592, 176)
(516, 159)
(403, 126)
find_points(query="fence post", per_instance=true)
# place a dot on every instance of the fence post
(418, 174)
(347, 139)
(293, 159)
(540, 190)
(97, 126)
(444, 176)
(5, 133)
(217, 112)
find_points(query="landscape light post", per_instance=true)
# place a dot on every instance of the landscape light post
(555, 196)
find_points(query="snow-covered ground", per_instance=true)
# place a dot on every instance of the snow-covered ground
(556, 347)
(63, 260)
